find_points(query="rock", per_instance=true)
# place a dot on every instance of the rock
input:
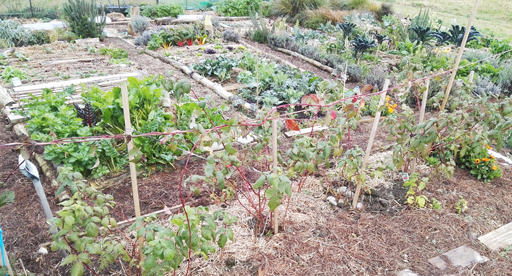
(406, 272)
(332, 200)
(348, 194)
(359, 205)
(341, 189)
(341, 202)
(461, 256)
(43, 250)
(245, 140)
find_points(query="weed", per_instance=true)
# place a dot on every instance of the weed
(10, 72)
(230, 35)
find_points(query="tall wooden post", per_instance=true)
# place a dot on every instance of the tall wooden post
(128, 133)
(459, 56)
(274, 167)
(370, 142)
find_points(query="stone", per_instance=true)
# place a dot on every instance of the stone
(348, 194)
(43, 250)
(341, 189)
(359, 205)
(406, 272)
(462, 256)
(332, 200)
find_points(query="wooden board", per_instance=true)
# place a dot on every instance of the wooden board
(304, 131)
(70, 82)
(46, 63)
(499, 238)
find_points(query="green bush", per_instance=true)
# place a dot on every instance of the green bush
(294, 8)
(140, 24)
(39, 12)
(81, 16)
(505, 79)
(162, 10)
(237, 7)
(16, 35)
(479, 163)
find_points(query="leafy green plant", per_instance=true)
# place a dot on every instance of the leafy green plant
(479, 163)
(501, 46)
(237, 7)
(462, 205)
(87, 232)
(347, 28)
(220, 67)
(15, 35)
(161, 10)
(422, 35)
(442, 37)
(505, 79)
(118, 55)
(10, 72)
(82, 17)
(362, 45)
(457, 34)
(414, 196)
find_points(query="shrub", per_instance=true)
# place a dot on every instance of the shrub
(81, 16)
(139, 24)
(293, 8)
(358, 4)
(39, 12)
(15, 35)
(324, 15)
(161, 10)
(376, 77)
(484, 87)
(144, 38)
(498, 47)
(259, 32)
(59, 34)
(230, 35)
(238, 7)
(505, 79)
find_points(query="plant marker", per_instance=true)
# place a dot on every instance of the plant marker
(4, 254)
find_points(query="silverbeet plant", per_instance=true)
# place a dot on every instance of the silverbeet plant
(93, 240)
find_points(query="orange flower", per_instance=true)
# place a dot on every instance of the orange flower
(477, 161)
(494, 168)
(492, 157)
(390, 110)
(488, 147)
(486, 159)
(394, 106)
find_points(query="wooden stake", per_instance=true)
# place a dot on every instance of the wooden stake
(133, 171)
(128, 133)
(274, 166)
(459, 56)
(422, 115)
(370, 142)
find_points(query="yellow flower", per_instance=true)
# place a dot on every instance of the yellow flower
(387, 104)
(494, 168)
(477, 161)
(394, 106)
(488, 147)
(390, 110)
(387, 98)
(486, 159)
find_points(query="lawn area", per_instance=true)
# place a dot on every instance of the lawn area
(493, 16)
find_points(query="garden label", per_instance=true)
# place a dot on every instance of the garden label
(405, 176)
(16, 81)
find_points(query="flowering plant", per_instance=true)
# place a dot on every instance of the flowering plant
(479, 163)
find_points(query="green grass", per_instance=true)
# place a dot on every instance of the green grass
(493, 16)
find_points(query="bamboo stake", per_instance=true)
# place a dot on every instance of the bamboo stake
(274, 165)
(133, 171)
(128, 133)
(459, 56)
(370, 142)
(422, 114)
